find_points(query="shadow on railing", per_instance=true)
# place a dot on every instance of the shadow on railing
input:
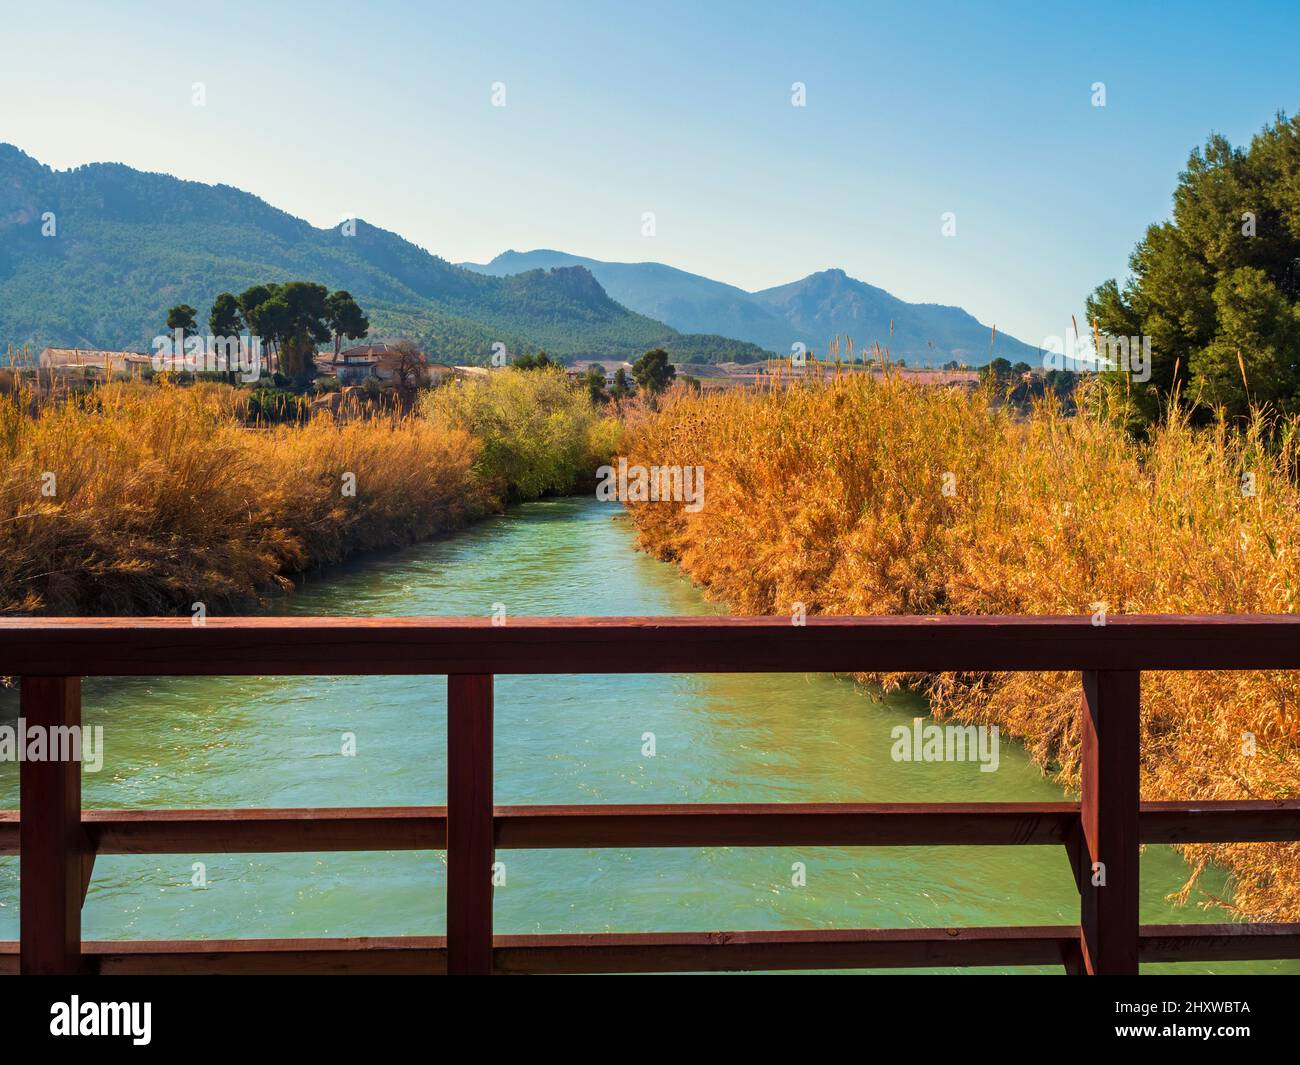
(57, 842)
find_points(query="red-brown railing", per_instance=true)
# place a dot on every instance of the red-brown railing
(57, 841)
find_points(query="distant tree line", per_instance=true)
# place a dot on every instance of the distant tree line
(652, 373)
(291, 318)
(1018, 383)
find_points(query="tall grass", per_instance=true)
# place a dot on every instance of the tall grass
(146, 499)
(833, 495)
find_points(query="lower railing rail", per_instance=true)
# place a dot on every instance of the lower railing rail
(57, 842)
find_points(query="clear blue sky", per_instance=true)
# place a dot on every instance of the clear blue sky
(384, 111)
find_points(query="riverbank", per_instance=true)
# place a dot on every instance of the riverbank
(862, 496)
(148, 499)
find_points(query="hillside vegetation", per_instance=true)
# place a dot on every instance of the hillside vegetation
(127, 245)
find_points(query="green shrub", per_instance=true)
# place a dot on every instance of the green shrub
(275, 405)
(539, 434)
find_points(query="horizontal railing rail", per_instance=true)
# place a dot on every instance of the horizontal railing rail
(172, 647)
(57, 842)
(416, 828)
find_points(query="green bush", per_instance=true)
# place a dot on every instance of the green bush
(540, 434)
(272, 406)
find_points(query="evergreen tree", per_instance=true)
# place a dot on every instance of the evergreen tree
(1217, 288)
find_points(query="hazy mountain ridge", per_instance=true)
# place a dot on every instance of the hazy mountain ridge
(810, 310)
(130, 244)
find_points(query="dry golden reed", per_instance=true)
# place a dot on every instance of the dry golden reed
(833, 495)
(145, 499)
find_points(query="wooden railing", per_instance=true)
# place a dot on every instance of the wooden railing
(57, 841)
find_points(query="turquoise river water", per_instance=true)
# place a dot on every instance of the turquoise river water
(273, 741)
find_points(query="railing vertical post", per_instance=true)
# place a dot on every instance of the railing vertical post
(50, 840)
(1107, 853)
(470, 830)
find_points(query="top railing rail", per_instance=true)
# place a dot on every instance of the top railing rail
(432, 645)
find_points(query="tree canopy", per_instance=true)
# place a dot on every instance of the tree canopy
(291, 318)
(653, 372)
(226, 319)
(345, 318)
(1217, 287)
(182, 317)
(540, 361)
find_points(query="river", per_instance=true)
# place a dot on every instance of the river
(272, 741)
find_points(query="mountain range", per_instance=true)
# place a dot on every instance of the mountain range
(94, 256)
(125, 245)
(809, 311)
